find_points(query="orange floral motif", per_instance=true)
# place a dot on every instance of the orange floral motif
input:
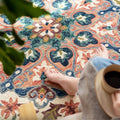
(71, 108)
(9, 107)
(86, 56)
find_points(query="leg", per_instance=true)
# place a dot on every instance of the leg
(69, 84)
(101, 63)
(101, 60)
(102, 52)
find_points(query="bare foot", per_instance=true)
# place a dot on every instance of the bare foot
(69, 84)
(102, 51)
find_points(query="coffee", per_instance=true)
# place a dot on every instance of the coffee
(113, 79)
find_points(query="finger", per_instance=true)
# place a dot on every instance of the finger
(102, 47)
(55, 85)
(99, 50)
(46, 79)
(117, 95)
(113, 97)
(53, 71)
(45, 69)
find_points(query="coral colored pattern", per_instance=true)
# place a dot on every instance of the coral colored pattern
(64, 40)
(8, 108)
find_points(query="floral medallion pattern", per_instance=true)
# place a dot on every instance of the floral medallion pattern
(8, 108)
(84, 38)
(61, 55)
(37, 3)
(31, 55)
(64, 40)
(83, 18)
(62, 4)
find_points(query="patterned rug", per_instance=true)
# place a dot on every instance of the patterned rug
(64, 40)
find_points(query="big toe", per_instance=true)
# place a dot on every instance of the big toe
(103, 48)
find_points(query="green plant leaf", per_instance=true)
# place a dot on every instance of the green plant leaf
(4, 10)
(8, 64)
(2, 33)
(13, 9)
(5, 36)
(34, 11)
(16, 56)
(3, 45)
(23, 8)
(17, 38)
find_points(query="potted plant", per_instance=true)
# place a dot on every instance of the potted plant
(9, 56)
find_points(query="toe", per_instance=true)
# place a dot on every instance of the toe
(99, 50)
(103, 48)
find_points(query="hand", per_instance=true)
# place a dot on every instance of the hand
(116, 102)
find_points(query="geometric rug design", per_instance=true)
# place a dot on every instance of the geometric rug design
(64, 40)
